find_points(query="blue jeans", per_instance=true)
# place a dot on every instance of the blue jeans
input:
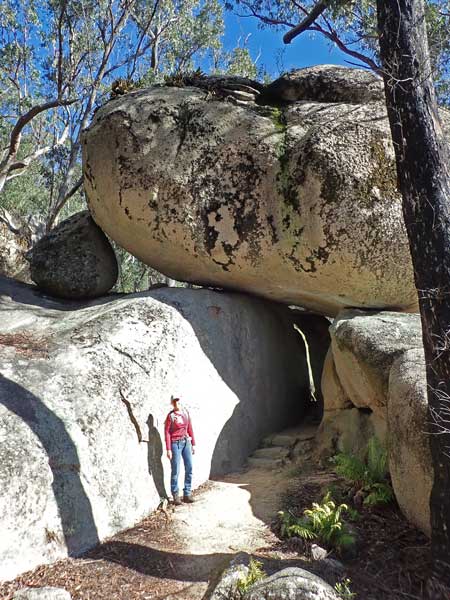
(181, 449)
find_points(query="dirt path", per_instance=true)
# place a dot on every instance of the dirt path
(173, 558)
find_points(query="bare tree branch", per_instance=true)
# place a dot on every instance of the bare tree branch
(23, 120)
(309, 20)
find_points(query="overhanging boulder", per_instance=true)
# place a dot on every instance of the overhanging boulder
(290, 198)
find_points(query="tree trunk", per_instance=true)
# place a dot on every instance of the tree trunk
(424, 181)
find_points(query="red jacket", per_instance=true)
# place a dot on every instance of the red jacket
(177, 426)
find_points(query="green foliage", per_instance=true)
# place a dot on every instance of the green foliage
(255, 573)
(379, 493)
(121, 86)
(322, 522)
(343, 589)
(181, 79)
(370, 475)
(87, 51)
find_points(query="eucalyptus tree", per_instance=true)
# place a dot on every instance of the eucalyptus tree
(59, 58)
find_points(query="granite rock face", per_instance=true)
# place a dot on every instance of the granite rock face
(75, 260)
(85, 389)
(410, 461)
(291, 196)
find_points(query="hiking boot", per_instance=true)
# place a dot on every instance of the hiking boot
(188, 499)
(176, 500)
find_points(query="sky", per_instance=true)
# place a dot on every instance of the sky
(304, 51)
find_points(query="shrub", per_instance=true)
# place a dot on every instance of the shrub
(322, 522)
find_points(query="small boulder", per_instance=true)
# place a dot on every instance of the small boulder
(291, 584)
(225, 585)
(44, 593)
(327, 83)
(75, 260)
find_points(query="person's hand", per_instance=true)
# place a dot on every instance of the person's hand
(169, 454)
(193, 449)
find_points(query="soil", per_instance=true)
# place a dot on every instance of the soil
(173, 555)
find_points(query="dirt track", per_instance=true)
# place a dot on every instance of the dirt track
(173, 558)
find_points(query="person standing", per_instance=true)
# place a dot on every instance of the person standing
(180, 445)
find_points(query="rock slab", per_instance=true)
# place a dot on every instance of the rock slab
(292, 197)
(75, 260)
(85, 389)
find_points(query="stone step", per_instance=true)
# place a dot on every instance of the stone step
(265, 463)
(271, 452)
(289, 437)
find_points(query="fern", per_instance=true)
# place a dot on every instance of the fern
(255, 573)
(350, 467)
(376, 460)
(323, 522)
(380, 493)
(370, 476)
(343, 589)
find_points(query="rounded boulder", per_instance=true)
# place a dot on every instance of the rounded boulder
(75, 260)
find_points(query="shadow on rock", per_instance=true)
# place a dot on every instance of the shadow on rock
(155, 452)
(74, 506)
(252, 345)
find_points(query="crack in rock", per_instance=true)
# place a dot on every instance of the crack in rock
(131, 415)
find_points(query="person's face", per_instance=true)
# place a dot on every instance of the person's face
(175, 403)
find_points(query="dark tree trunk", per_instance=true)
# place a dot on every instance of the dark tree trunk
(424, 182)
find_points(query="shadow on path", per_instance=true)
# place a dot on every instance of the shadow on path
(174, 565)
(74, 506)
(160, 563)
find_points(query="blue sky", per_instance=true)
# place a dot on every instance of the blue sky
(306, 50)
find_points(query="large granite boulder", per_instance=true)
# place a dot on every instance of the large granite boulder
(75, 260)
(374, 384)
(410, 461)
(292, 196)
(364, 346)
(84, 391)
